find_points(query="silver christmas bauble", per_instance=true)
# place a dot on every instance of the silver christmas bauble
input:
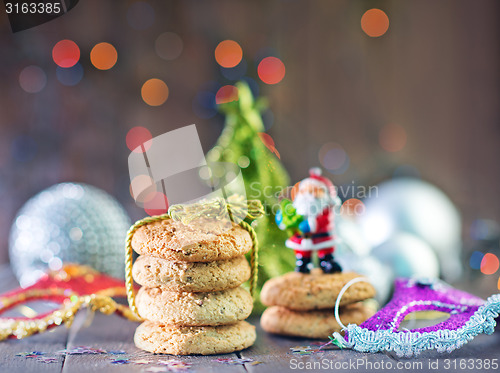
(68, 223)
(420, 209)
(408, 256)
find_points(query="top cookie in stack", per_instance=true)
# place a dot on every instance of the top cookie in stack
(191, 295)
(204, 240)
(302, 305)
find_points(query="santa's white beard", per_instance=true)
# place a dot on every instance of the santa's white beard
(309, 206)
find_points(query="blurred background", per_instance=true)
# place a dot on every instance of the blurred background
(372, 91)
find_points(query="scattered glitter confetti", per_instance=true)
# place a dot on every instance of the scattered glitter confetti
(309, 350)
(174, 364)
(256, 362)
(96, 351)
(81, 350)
(299, 348)
(234, 361)
(302, 350)
(116, 352)
(30, 354)
(120, 361)
(47, 360)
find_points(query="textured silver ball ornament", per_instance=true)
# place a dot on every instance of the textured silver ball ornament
(68, 223)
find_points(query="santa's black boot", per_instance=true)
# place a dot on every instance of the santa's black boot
(329, 265)
(302, 264)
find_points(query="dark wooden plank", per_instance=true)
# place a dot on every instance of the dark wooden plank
(115, 333)
(273, 352)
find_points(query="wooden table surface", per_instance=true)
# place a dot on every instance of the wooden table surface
(273, 353)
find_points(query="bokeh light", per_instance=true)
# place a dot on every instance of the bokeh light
(70, 76)
(225, 94)
(375, 22)
(154, 92)
(475, 260)
(352, 207)
(271, 70)
(66, 53)
(103, 56)
(334, 158)
(228, 53)
(136, 137)
(156, 204)
(235, 73)
(32, 79)
(169, 46)
(243, 161)
(489, 264)
(140, 15)
(392, 137)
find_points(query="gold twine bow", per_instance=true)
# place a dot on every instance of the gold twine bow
(236, 207)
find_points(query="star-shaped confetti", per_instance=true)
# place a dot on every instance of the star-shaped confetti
(302, 350)
(116, 352)
(30, 354)
(174, 364)
(234, 361)
(256, 362)
(120, 361)
(81, 350)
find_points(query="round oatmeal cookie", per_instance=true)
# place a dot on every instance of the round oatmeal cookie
(150, 271)
(194, 340)
(306, 292)
(200, 241)
(312, 324)
(194, 309)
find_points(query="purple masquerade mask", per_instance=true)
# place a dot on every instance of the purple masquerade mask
(469, 316)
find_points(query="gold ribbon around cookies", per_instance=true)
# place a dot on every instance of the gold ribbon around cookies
(236, 206)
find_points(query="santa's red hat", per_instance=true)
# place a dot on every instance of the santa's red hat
(316, 178)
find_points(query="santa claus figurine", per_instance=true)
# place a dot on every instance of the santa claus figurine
(310, 221)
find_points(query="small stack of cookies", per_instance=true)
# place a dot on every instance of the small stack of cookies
(191, 296)
(302, 305)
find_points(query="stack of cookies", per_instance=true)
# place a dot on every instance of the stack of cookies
(191, 296)
(302, 305)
